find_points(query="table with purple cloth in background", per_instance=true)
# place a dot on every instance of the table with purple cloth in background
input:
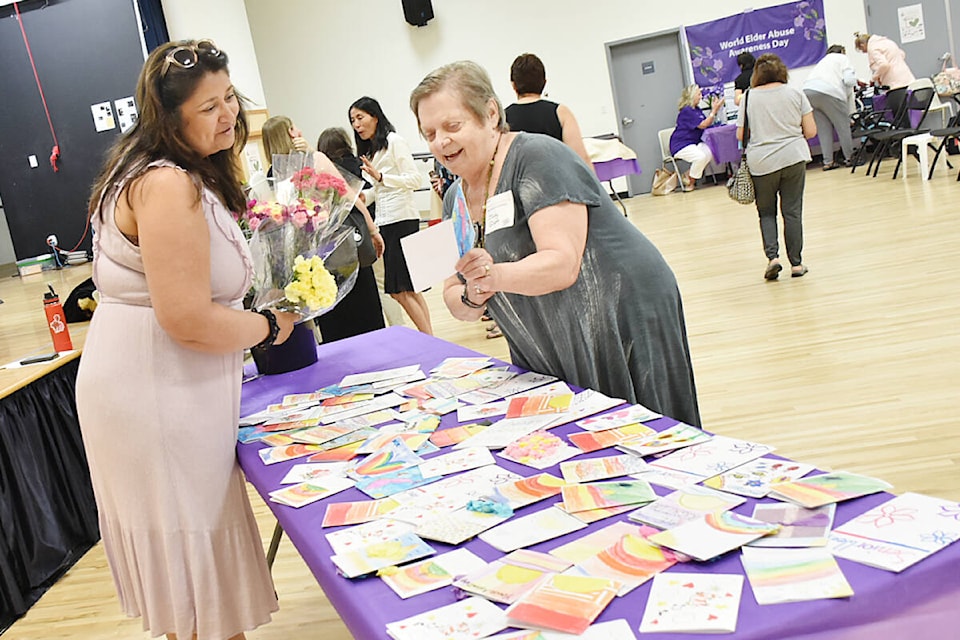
(616, 168)
(919, 603)
(723, 144)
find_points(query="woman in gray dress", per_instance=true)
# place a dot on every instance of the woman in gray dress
(578, 291)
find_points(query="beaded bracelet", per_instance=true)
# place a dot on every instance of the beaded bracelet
(467, 301)
(274, 329)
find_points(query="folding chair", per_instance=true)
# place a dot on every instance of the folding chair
(918, 100)
(664, 137)
(946, 134)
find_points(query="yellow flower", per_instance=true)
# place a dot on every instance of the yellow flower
(312, 284)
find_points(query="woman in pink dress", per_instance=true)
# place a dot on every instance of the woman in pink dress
(158, 390)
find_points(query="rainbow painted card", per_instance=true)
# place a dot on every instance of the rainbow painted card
(378, 555)
(592, 469)
(622, 417)
(564, 603)
(431, 574)
(600, 495)
(713, 534)
(631, 561)
(898, 533)
(793, 575)
(676, 437)
(508, 578)
(339, 514)
(683, 505)
(693, 603)
(524, 531)
(816, 491)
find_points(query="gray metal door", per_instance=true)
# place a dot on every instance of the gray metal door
(647, 75)
(922, 55)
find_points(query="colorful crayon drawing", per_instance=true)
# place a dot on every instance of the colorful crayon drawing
(520, 493)
(601, 468)
(388, 484)
(816, 491)
(343, 513)
(631, 561)
(564, 602)
(599, 495)
(538, 405)
(378, 555)
(588, 441)
(392, 458)
(692, 603)
(272, 455)
(793, 575)
(620, 418)
(455, 435)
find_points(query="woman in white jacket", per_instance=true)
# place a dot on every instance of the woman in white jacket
(829, 88)
(387, 160)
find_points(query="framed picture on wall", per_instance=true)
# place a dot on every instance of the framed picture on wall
(253, 159)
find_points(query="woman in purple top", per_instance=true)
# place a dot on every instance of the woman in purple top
(685, 141)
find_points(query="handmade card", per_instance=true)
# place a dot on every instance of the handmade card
(349, 398)
(670, 478)
(508, 578)
(386, 401)
(450, 494)
(592, 469)
(404, 548)
(713, 534)
(563, 602)
(314, 471)
(376, 376)
(816, 491)
(676, 437)
(343, 453)
(588, 441)
(272, 455)
(343, 541)
(502, 433)
(387, 484)
(454, 435)
(593, 515)
(370, 419)
(524, 531)
(537, 405)
(593, 543)
(539, 450)
(586, 403)
(455, 367)
(387, 434)
(693, 603)
(392, 458)
(898, 533)
(456, 527)
(754, 478)
(481, 411)
(631, 561)
(358, 436)
(509, 385)
(684, 504)
(799, 527)
(468, 619)
(305, 493)
(321, 435)
(599, 495)
(523, 491)
(455, 461)
(609, 630)
(793, 575)
(631, 415)
(344, 513)
(713, 457)
(277, 439)
(433, 573)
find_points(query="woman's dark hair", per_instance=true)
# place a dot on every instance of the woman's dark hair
(162, 89)
(334, 143)
(527, 74)
(836, 48)
(378, 140)
(746, 61)
(769, 68)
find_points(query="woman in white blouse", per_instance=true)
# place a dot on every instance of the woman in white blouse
(387, 160)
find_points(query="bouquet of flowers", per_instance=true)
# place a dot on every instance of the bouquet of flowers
(304, 258)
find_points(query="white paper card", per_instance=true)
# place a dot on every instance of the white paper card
(431, 254)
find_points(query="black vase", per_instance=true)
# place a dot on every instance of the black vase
(297, 352)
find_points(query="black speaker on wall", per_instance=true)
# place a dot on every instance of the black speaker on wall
(418, 12)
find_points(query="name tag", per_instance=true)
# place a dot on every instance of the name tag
(500, 212)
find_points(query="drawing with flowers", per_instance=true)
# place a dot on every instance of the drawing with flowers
(304, 257)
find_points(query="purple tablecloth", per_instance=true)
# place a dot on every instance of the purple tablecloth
(880, 104)
(616, 168)
(920, 603)
(723, 143)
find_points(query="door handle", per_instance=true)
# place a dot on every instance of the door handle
(627, 121)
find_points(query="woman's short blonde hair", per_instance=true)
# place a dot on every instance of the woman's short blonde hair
(688, 97)
(860, 40)
(466, 79)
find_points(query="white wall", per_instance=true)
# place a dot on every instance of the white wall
(224, 22)
(315, 58)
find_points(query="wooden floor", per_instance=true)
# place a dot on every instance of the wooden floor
(854, 366)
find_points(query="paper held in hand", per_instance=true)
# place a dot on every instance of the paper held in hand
(431, 254)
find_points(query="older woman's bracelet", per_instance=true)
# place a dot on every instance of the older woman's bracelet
(274, 329)
(467, 301)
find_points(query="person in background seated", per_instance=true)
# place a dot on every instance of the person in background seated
(829, 88)
(685, 141)
(745, 61)
(387, 159)
(533, 114)
(579, 291)
(780, 117)
(158, 389)
(888, 64)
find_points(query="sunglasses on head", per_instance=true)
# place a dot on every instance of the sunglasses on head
(187, 56)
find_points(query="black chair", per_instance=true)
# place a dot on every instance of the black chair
(867, 122)
(917, 100)
(951, 132)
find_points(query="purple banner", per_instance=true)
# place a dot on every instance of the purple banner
(796, 32)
